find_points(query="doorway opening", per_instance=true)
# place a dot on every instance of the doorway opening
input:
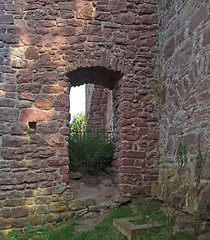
(91, 142)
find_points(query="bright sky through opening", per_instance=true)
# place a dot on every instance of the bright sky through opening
(77, 100)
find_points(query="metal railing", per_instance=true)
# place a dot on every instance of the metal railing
(90, 149)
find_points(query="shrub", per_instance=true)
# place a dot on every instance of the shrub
(89, 148)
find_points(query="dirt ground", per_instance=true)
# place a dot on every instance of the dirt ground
(89, 223)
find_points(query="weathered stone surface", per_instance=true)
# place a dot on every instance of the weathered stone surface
(179, 93)
(6, 19)
(32, 115)
(197, 18)
(57, 207)
(112, 44)
(42, 209)
(13, 141)
(88, 201)
(76, 205)
(31, 53)
(204, 236)
(75, 175)
(19, 212)
(204, 204)
(169, 49)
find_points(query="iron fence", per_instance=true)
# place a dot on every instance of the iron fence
(90, 149)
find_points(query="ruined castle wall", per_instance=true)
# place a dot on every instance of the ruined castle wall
(40, 42)
(96, 115)
(99, 107)
(183, 68)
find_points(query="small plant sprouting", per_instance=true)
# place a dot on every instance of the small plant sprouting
(181, 155)
(30, 229)
(31, 131)
(168, 218)
(199, 164)
(56, 223)
(117, 206)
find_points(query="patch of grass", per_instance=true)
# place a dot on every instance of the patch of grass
(147, 208)
(64, 232)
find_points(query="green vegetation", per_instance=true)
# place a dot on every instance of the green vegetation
(147, 208)
(78, 122)
(89, 148)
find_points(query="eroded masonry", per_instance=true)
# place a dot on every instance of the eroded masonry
(154, 58)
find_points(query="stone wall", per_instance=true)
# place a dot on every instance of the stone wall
(96, 115)
(99, 107)
(45, 45)
(183, 68)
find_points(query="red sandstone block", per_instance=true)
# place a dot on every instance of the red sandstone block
(5, 102)
(150, 178)
(84, 11)
(6, 19)
(6, 212)
(57, 161)
(131, 154)
(31, 53)
(13, 141)
(6, 69)
(197, 19)
(125, 188)
(46, 152)
(62, 102)
(149, 19)
(28, 88)
(32, 115)
(46, 78)
(19, 212)
(169, 48)
(64, 170)
(8, 88)
(20, 63)
(55, 140)
(206, 36)
(136, 189)
(151, 171)
(44, 102)
(9, 38)
(63, 31)
(19, 129)
(53, 89)
(46, 23)
(102, 16)
(64, 131)
(147, 35)
(62, 152)
(24, 76)
(140, 163)
(31, 177)
(65, 178)
(147, 9)
(117, 163)
(118, 6)
(132, 170)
